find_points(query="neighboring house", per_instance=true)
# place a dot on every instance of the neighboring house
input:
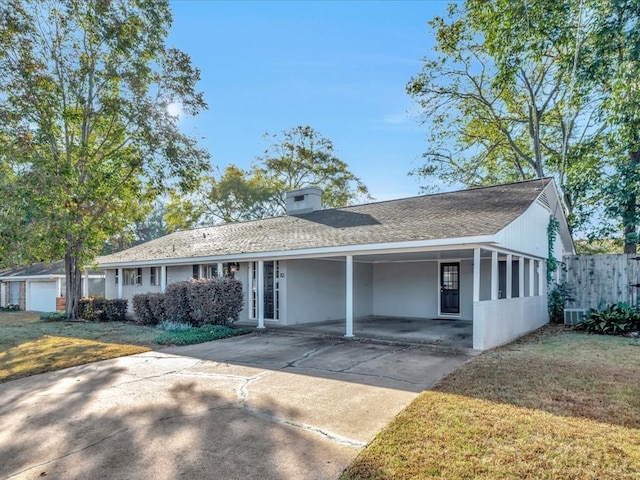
(477, 254)
(36, 287)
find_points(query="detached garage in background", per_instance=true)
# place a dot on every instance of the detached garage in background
(37, 287)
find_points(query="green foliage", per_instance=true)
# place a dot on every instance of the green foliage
(616, 319)
(170, 326)
(196, 302)
(557, 298)
(97, 309)
(86, 140)
(552, 234)
(45, 316)
(204, 333)
(297, 158)
(149, 308)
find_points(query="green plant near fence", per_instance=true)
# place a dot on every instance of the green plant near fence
(616, 319)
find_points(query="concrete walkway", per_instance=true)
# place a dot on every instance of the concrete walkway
(271, 406)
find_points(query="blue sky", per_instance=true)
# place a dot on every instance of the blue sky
(338, 66)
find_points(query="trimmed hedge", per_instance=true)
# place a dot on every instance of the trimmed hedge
(95, 309)
(217, 301)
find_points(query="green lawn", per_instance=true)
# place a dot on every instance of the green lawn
(554, 405)
(29, 346)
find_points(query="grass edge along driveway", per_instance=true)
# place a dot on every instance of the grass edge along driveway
(553, 405)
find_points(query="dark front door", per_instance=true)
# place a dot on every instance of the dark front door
(450, 288)
(268, 290)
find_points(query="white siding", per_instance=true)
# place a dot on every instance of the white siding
(315, 291)
(528, 232)
(496, 322)
(405, 289)
(3, 294)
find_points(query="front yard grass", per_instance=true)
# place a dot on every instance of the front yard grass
(555, 405)
(29, 346)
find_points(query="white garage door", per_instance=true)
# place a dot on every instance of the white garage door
(41, 296)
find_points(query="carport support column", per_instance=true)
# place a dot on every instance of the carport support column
(494, 275)
(260, 294)
(532, 287)
(120, 282)
(509, 275)
(349, 298)
(476, 274)
(220, 270)
(163, 278)
(521, 277)
(85, 284)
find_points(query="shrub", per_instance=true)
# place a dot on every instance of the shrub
(557, 297)
(204, 333)
(156, 306)
(141, 308)
(115, 310)
(616, 319)
(98, 309)
(176, 304)
(170, 326)
(53, 316)
(217, 301)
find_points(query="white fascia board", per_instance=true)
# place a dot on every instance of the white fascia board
(379, 248)
(507, 251)
(22, 278)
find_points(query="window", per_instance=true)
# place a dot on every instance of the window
(196, 272)
(132, 276)
(154, 276)
(298, 198)
(210, 271)
(117, 276)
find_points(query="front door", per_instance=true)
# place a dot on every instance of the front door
(269, 284)
(450, 288)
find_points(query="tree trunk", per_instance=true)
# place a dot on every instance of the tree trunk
(630, 213)
(74, 283)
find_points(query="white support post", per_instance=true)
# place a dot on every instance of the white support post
(163, 278)
(476, 274)
(120, 282)
(494, 275)
(521, 277)
(509, 279)
(85, 284)
(349, 297)
(532, 267)
(260, 306)
(58, 288)
(220, 270)
(541, 279)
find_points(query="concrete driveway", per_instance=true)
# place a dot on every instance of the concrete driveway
(273, 406)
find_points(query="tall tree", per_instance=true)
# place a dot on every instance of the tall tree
(298, 157)
(302, 156)
(235, 195)
(84, 124)
(613, 71)
(500, 95)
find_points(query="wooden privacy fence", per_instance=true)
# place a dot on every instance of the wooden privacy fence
(600, 280)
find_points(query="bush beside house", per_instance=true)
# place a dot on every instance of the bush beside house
(97, 309)
(217, 301)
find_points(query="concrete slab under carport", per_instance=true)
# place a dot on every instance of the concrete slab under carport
(276, 405)
(450, 333)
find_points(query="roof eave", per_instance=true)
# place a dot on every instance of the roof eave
(434, 244)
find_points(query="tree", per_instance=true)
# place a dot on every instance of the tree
(298, 157)
(614, 71)
(84, 126)
(501, 96)
(236, 195)
(301, 156)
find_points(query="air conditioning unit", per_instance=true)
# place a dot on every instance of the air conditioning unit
(574, 315)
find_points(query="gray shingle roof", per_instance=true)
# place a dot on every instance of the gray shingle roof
(465, 213)
(55, 268)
